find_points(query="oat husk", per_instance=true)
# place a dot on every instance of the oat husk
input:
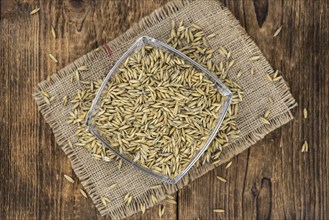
(97, 175)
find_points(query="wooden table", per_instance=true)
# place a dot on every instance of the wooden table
(272, 179)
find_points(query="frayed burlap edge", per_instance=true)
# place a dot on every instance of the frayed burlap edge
(232, 150)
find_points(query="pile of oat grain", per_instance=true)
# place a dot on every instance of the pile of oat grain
(159, 110)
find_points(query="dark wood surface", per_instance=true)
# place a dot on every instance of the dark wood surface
(272, 179)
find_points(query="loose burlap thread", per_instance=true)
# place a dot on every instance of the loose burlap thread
(97, 176)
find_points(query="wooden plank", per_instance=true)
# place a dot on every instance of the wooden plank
(273, 179)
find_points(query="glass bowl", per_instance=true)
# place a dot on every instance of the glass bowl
(101, 94)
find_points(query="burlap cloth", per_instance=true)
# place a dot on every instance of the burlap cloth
(97, 176)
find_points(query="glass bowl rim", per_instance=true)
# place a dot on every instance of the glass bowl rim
(224, 91)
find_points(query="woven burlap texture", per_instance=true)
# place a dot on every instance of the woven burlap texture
(97, 176)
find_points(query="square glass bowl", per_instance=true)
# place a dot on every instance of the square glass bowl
(102, 92)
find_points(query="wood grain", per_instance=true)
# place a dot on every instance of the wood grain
(271, 180)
